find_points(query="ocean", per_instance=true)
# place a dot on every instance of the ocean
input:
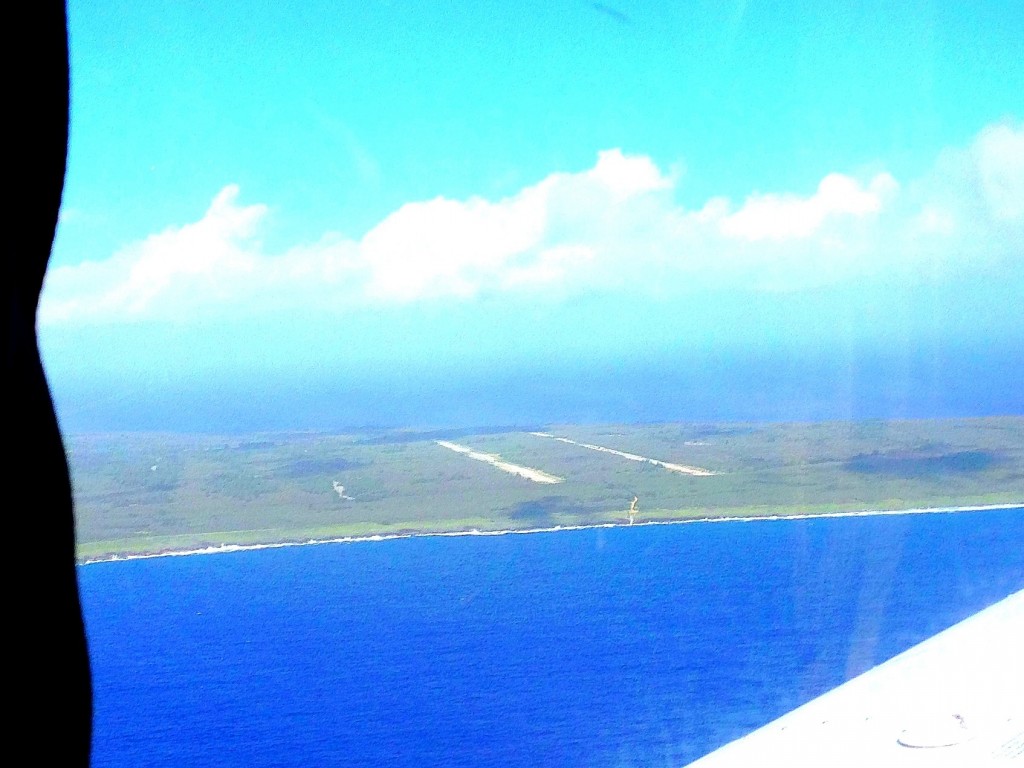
(770, 386)
(629, 646)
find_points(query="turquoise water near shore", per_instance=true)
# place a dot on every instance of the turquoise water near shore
(601, 647)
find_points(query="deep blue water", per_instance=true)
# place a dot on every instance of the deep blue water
(773, 385)
(643, 646)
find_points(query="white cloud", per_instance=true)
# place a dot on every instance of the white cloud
(784, 217)
(999, 154)
(614, 226)
(207, 260)
(625, 177)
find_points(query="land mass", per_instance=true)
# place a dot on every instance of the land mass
(146, 493)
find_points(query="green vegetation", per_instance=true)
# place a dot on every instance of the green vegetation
(144, 493)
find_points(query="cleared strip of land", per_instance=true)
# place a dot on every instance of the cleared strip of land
(505, 466)
(681, 468)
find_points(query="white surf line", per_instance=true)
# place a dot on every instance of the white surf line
(505, 466)
(228, 548)
(681, 468)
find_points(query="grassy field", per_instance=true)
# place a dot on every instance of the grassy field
(145, 493)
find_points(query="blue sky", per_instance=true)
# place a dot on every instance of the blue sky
(325, 190)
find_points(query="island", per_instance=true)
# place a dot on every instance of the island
(146, 494)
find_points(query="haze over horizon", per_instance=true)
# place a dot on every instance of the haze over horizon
(537, 212)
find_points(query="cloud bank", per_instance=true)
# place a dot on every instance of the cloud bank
(615, 227)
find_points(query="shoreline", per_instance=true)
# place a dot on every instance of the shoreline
(226, 548)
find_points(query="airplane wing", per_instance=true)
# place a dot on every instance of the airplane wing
(957, 699)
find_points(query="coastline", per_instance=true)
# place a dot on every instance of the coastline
(226, 547)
